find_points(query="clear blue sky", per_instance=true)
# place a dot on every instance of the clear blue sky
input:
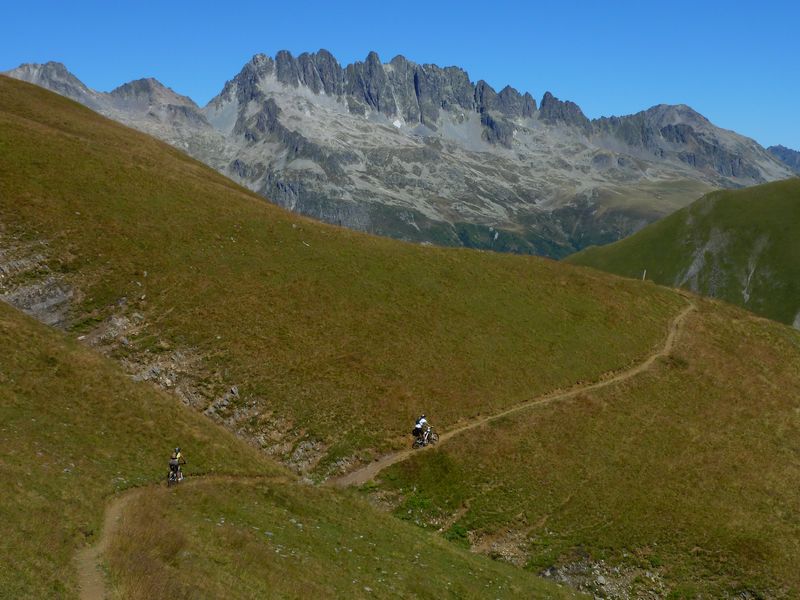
(736, 62)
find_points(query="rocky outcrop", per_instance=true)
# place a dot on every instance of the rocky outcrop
(55, 76)
(789, 157)
(368, 84)
(149, 91)
(512, 104)
(28, 282)
(559, 112)
(676, 132)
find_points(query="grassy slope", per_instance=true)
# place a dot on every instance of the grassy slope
(343, 336)
(366, 331)
(74, 429)
(690, 470)
(294, 541)
(746, 219)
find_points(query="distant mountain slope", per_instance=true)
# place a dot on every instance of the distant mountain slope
(741, 246)
(420, 152)
(791, 158)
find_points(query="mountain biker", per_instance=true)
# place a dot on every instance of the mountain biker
(421, 429)
(175, 462)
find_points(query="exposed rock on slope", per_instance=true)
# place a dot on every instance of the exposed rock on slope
(28, 282)
(420, 152)
(789, 157)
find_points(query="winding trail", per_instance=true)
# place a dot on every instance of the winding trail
(370, 471)
(91, 578)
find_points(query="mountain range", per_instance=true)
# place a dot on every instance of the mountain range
(420, 152)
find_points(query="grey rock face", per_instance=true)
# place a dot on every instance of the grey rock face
(330, 73)
(555, 112)
(678, 132)
(287, 69)
(422, 91)
(367, 82)
(789, 157)
(420, 152)
(28, 283)
(512, 104)
(149, 91)
(55, 76)
(485, 97)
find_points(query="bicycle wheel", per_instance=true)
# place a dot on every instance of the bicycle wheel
(433, 438)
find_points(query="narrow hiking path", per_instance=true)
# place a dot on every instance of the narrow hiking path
(91, 578)
(92, 583)
(370, 471)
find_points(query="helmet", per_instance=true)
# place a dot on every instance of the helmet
(177, 449)
(422, 417)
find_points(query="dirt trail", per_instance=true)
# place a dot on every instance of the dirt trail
(370, 471)
(91, 579)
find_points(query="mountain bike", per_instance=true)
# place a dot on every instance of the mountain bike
(174, 477)
(429, 436)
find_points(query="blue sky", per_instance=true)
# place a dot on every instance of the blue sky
(738, 63)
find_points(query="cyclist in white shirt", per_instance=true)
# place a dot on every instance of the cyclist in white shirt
(421, 428)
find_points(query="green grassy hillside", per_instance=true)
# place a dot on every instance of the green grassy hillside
(74, 430)
(683, 479)
(320, 345)
(262, 540)
(334, 340)
(737, 245)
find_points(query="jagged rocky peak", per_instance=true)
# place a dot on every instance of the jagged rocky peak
(368, 84)
(789, 157)
(257, 67)
(319, 71)
(150, 90)
(672, 114)
(55, 76)
(308, 73)
(244, 86)
(50, 70)
(330, 72)
(422, 91)
(286, 68)
(510, 102)
(401, 88)
(485, 96)
(554, 111)
(673, 123)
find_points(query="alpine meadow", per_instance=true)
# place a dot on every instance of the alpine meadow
(278, 286)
